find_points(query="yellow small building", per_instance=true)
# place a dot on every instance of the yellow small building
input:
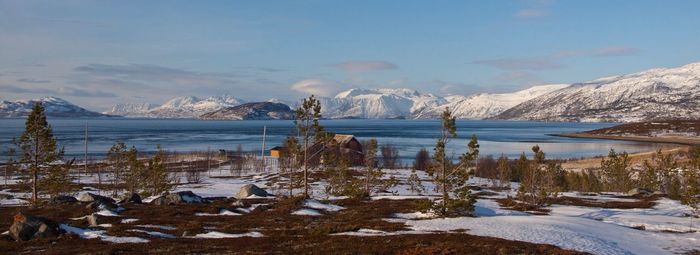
(276, 151)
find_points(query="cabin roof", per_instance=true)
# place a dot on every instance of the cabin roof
(341, 139)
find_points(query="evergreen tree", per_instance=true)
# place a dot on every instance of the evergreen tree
(691, 178)
(415, 185)
(448, 177)
(307, 124)
(116, 156)
(57, 180)
(289, 162)
(157, 180)
(538, 183)
(615, 170)
(135, 173)
(37, 146)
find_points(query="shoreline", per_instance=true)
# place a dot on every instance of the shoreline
(670, 140)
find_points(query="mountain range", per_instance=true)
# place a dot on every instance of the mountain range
(53, 107)
(663, 93)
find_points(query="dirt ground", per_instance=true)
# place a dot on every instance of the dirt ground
(284, 233)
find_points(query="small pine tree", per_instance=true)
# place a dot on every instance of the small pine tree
(135, 173)
(538, 183)
(37, 146)
(157, 180)
(616, 173)
(307, 123)
(449, 178)
(415, 185)
(289, 163)
(57, 180)
(116, 156)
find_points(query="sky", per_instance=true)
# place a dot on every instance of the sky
(99, 53)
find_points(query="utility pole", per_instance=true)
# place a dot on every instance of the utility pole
(85, 167)
(262, 152)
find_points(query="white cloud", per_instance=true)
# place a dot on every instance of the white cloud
(365, 66)
(317, 87)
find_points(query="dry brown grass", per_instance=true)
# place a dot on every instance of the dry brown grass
(284, 233)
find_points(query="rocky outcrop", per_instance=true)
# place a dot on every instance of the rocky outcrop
(26, 227)
(251, 190)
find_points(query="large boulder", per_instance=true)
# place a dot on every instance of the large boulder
(57, 200)
(94, 219)
(133, 199)
(102, 204)
(251, 190)
(639, 192)
(91, 197)
(182, 197)
(26, 227)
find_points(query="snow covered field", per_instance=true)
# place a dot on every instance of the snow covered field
(663, 229)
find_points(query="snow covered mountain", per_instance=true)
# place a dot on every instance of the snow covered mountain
(53, 107)
(131, 109)
(486, 105)
(378, 103)
(179, 107)
(665, 93)
(252, 111)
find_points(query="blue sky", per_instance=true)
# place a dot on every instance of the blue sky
(97, 53)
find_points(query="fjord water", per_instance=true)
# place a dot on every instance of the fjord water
(409, 136)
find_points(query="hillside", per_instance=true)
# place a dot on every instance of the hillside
(655, 94)
(252, 111)
(53, 106)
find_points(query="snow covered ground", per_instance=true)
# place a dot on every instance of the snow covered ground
(663, 229)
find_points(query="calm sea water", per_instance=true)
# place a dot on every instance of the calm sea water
(409, 136)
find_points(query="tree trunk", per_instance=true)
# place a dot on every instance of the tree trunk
(306, 179)
(35, 172)
(445, 196)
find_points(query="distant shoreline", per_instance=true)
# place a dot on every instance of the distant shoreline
(671, 140)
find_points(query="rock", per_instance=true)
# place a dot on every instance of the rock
(238, 203)
(182, 197)
(90, 197)
(133, 199)
(6, 196)
(98, 205)
(94, 219)
(160, 201)
(26, 227)
(250, 190)
(639, 191)
(185, 197)
(63, 200)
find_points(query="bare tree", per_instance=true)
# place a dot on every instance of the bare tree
(390, 156)
(422, 160)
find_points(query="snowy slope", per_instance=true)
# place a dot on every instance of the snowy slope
(131, 109)
(185, 107)
(649, 95)
(486, 105)
(378, 103)
(53, 106)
